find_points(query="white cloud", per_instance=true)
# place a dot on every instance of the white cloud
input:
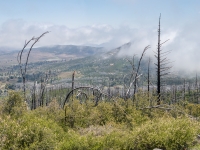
(185, 48)
(184, 42)
(13, 33)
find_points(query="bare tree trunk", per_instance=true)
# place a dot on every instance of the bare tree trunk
(73, 74)
(158, 66)
(197, 91)
(148, 80)
(184, 91)
(137, 71)
(175, 96)
(19, 59)
(34, 95)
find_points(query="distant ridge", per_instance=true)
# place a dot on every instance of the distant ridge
(79, 51)
(49, 53)
(62, 52)
(115, 52)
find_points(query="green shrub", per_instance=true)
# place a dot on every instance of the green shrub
(52, 112)
(29, 132)
(78, 142)
(193, 109)
(81, 115)
(165, 133)
(97, 137)
(110, 125)
(15, 105)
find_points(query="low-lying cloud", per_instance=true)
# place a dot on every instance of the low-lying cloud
(183, 43)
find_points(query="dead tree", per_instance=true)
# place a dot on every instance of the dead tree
(184, 90)
(162, 61)
(73, 75)
(197, 90)
(135, 74)
(34, 96)
(138, 68)
(42, 88)
(148, 79)
(126, 91)
(97, 93)
(23, 66)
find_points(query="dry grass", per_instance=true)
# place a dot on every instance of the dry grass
(100, 130)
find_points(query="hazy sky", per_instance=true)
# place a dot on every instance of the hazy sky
(105, 22)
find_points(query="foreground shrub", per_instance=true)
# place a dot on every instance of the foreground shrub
(51, 112)
(165, 133)
(97, 138)
(82, 115)
(193, 109)
(29, 132)
(14, 104)
(110, 125)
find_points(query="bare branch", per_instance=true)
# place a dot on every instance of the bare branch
(19, 59)
(164, 42)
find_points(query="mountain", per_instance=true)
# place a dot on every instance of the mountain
(107, 66)
(88, 61)
(78, 51)
(4, 50)
(107, 63)
(115, 52)
(50, 53)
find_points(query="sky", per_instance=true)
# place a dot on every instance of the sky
(107, 23)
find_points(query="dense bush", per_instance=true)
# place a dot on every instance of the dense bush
(29, 132)
(193, 109)
(165, 133)
(14, 104)
(110, 125)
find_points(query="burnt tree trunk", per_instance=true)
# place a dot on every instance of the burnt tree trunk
(162, 61)
(73, 84)
(158, 67)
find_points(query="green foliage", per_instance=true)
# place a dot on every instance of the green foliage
(51, 112)
(78, 142)
(117, 124)
(193, 109)
(15, 104)
(81, 115)
(166, 133)
(23, 129)
(109, 136)
(29, 132)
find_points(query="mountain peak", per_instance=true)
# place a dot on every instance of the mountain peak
(118, 49)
